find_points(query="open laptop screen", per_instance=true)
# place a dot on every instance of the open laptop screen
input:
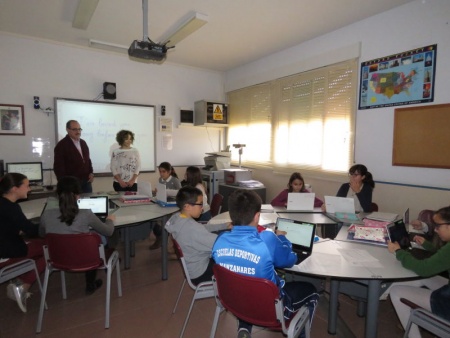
(300, 234)
(98, 205)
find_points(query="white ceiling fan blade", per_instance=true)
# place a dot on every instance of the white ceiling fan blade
(83, 15)
(189, 26)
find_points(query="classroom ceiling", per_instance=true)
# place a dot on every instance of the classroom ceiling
(237, 32)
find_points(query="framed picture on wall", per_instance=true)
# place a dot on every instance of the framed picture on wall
(400, 79)
(12, 119)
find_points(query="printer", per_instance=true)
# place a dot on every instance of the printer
(217, 160)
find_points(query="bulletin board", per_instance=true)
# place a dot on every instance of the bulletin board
(422, 136)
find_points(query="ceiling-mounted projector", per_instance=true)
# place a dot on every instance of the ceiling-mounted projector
(147, 50)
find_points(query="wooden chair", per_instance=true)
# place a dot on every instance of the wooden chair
(202, 290)
(78, 253)
(256, 301)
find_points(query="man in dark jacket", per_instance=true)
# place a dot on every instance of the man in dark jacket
(72, 157)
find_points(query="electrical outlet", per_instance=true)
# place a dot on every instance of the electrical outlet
(36, 102)
(163, 110)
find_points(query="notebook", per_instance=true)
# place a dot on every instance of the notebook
(335, 204)
(98, 204)
(300, 234)
(382, 216)
(300, 201)
(161, 197)
(145, 188)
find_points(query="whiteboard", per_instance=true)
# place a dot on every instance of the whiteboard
(101, 121)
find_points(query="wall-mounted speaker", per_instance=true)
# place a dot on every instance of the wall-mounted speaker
(36, 102)
(109, 91)
(186, 116)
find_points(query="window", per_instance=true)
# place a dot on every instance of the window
(303, 121)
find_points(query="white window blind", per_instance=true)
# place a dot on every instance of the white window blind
(303, 121)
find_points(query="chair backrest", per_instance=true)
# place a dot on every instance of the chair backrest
(373, 207)
(74, 252)
(216, 204)
(249, 298)
(427, 320)
(180, 257)
(426, 216)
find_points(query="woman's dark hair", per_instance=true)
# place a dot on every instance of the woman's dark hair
(296, 176)
(11, 180)
(193, 176)
(68, 188)
(243, 205)
(168, 167)
(122, 135)
(444, 213)
(187, 195)
(362, 170)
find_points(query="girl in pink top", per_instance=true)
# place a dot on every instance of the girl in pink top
(296, 184)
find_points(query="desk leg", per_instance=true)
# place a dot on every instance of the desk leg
(164, 255)
(332, 313)
(127, 247)
(373, 295)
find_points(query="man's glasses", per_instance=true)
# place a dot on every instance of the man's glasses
(199, 204)
(437, 225)
(76, 129)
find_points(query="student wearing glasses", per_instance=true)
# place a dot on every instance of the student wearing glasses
(432, 293)
(359, 187)
(72, 157)
(196, 240)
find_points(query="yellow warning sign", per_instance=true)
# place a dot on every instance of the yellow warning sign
(217, 112)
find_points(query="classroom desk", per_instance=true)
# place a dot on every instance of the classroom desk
(129, 219)
(328, 260)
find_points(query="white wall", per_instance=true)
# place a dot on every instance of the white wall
(37, 68)
(416, 24)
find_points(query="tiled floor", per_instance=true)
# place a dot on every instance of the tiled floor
(145, 310)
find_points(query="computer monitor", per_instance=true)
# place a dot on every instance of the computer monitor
(32, 170)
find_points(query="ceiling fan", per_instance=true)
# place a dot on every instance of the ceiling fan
(149, 50)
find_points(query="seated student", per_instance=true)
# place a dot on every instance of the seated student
(68, 219)
(359, 188)
(169, 177)
(13, 223)
(193, 178)
(436, 297)
(195, 239)
(296, 184)
(273, 251)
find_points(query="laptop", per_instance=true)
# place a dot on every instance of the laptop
(411, 229)
(335, 204)
(300, 201)
(300, 234)
(161, 197)
(98, 204)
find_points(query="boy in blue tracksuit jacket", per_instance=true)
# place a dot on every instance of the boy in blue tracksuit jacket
(245, 251)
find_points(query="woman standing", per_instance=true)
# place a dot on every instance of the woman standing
(13, 223)
(125, 163)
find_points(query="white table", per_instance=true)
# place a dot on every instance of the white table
(371, 263)
(128, 218)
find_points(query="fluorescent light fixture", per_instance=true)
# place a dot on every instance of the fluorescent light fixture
(83, 15)
(193, 23)
(108, 46)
